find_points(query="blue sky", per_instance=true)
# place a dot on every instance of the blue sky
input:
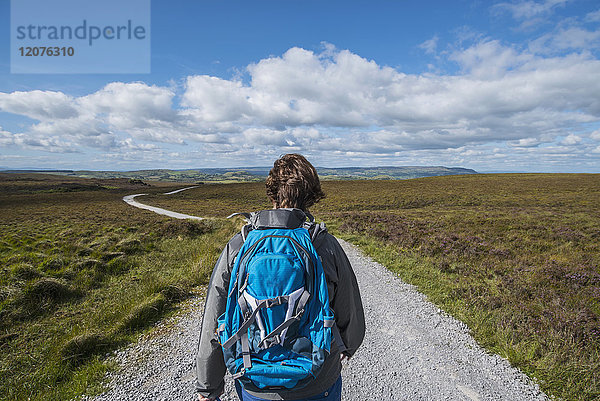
(493, 86)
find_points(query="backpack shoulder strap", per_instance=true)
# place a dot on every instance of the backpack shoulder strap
(245, 230)
(314, 230)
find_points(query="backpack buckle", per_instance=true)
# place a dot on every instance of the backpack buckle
(268, 342)
(239, 374)
(275, 301)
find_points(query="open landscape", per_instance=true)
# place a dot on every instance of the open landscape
(83, 273)
(514, 256)
(257, 174)
(457, 142)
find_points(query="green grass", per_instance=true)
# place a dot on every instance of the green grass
(83, 274)
(516, 257)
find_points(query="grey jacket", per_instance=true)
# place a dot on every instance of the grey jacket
(344, 299)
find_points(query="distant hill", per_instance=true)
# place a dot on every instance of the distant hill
(250, 174)
(390, 173)
(33, 170)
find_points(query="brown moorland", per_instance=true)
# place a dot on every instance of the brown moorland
(514, 256)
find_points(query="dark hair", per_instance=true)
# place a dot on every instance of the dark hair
(294, 182)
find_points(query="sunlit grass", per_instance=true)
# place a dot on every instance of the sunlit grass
(515, 257)
(83, 274)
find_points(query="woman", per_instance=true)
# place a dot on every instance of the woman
(293, 186)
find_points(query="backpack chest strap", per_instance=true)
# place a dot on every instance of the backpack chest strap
(277, 336)
(249, 319)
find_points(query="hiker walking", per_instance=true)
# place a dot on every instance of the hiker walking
(283, 307)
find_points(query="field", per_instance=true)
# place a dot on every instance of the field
(84, 273)
(516, 257)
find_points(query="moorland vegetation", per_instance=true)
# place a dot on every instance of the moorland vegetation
(83, 273)
(514, 256)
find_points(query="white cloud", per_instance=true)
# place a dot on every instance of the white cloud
(214, 99)
(595, 135)
(303, 88)
(263, 136)
(129, 144)
(526, 10)
(131, 105)
(6, 138)
(593, 16)
(571, 139)
(489, 59)
(526, 142)
(49, 144)
(39, 105)
(334, 104)
(430, 45)
(571, 38)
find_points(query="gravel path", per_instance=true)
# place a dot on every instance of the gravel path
(130, 200)
(412, 351)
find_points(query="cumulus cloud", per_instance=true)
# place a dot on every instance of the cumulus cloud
(139, 109)
(505, 102)
(525, 142)
(566, 39)
(502, 95)
(593, 16)
(39, 105)
(214, 99)
(47, 144)
(571, 139)
(130, 105)
(489, 59)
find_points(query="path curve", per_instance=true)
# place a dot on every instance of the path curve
(130, 199)
(412, 351)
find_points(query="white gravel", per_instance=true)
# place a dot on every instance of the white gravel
(130, 200)
(412, 351)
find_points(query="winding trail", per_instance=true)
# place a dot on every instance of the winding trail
(130, 199)
(412, 351)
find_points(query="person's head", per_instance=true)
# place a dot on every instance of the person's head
(293, 182)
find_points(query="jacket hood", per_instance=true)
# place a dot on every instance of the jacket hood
(279, 218)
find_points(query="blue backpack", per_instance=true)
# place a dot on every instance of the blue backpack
(277, 328)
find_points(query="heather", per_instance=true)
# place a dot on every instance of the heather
(516, 257)
(83, 273)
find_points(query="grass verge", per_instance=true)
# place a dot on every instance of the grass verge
(83, 274)
(514, 257)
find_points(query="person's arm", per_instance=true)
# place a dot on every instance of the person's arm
(345, 300)
(210, 366)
